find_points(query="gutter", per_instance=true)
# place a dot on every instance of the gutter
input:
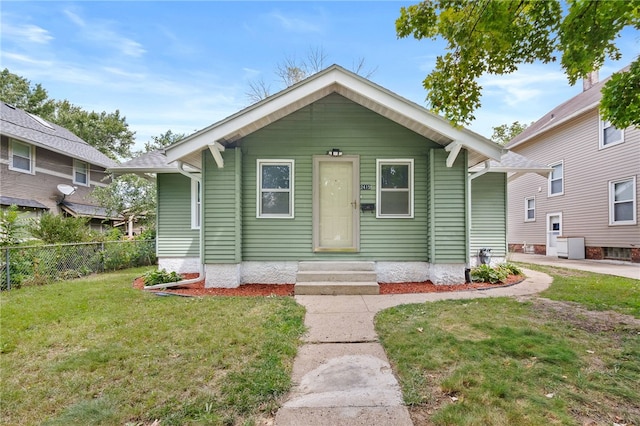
(201, 273)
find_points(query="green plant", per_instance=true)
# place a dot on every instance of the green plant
(511, 268)
(54, 229)
(487, 274)
(160, 277)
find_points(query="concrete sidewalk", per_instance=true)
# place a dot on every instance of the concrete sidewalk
(609, 267)
(341, 374)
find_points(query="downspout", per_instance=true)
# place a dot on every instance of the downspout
(201, 273)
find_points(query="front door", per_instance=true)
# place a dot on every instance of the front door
(336, 215)
(554, 230)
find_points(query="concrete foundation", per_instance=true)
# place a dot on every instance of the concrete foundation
(180, 265)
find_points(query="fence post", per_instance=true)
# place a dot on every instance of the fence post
(8, 270)
(103, 255)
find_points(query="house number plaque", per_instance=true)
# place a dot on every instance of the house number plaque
(365, 187)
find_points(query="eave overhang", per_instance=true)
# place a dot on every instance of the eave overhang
(353, 87)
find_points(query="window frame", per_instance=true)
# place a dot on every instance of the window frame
(32, 157)
(86, 172)
(612, 202)
(379, 190)
(196, 204)
(604, 124)
(551, 180)
(527, 209)
(259, 190)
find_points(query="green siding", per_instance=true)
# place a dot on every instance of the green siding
(221, 200)
(448, 208)
(334, 122)
(175, 236)
(488, 213)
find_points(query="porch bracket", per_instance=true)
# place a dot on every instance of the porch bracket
(453, 149)
(216, 148)
(487, 168)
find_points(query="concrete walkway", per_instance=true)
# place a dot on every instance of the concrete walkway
(610, 267)
(341, 374)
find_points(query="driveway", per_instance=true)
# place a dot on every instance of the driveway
(609, 267)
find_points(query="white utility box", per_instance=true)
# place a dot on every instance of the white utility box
(570, 247)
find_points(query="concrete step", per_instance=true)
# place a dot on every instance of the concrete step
(335, 288)
(336, 276)
(336, 266)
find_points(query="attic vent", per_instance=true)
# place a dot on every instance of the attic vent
(41, 121)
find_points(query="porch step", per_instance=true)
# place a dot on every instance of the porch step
(336, 288)
(336, 278)
(336, 266)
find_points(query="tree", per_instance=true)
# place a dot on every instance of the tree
(505, 132)
(55, 228)
(162, 141)
(19, 92)
(292, 70)
(107, 132)
(11, 227)
(495, 37)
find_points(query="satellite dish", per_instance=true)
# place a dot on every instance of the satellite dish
(66, 189)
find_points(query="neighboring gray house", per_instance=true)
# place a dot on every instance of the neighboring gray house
(592, 192)
(37, 158)
(333, 169)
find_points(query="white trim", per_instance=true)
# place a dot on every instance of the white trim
(552, 251)
(634, 201)
(399, 161)
(603, 125)
(32, 157)
(275, 162)
(550, 179)
(527, 209)
(196, 204)
(86, 173)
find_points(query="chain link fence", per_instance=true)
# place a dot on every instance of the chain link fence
(37, 265)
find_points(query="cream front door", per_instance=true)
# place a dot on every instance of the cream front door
(336, 204)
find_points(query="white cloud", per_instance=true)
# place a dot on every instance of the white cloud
(295, 24)
(30, 33)
(75, 18)
(24, 59)
(521, 86)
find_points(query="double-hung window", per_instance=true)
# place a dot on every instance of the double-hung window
(609, 134)
(21, 157)
(622, 202)
(275, 189)
(80, 173)
(394, 195)
(556, 179)
(530, 209)
(196, 202)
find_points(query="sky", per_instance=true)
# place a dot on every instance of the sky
(182, 66)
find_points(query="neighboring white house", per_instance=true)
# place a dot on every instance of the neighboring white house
(592, 191)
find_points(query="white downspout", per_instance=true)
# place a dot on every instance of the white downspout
(201, 273)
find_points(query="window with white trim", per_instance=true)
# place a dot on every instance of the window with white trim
(609, 134)
(622, 202)
(394, 188)
(530, 209)
(80, 173)
(275, 189)
(21, 157)
(196, 203)
(556, 179)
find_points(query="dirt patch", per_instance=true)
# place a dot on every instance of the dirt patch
(581, 318)
(198, 289)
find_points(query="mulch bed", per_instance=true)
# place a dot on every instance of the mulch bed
(198, 289)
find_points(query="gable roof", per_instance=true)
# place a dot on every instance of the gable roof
(583, 102)
(149, 162)
(18, 124)
(334, 79)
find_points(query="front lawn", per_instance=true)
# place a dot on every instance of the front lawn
(97, 352)
(532, 361)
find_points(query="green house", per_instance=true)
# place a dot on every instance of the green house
(334, 168)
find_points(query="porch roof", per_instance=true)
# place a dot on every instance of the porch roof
(334, 79)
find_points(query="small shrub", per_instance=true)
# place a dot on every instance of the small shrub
(511, 269)
(487, 274)
(160, 277)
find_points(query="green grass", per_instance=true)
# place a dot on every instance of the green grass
(504, 362)
(96, 351)
(594, 291)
